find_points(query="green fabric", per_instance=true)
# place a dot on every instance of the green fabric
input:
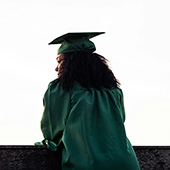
(90, 125)
(50, 144)
(82, 44)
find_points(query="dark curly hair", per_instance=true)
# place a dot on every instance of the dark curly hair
(89, 69)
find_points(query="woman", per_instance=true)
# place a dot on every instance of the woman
(84, 113)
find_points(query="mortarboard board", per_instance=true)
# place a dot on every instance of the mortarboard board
(76, 42)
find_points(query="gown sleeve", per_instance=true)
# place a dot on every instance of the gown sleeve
(122, 106)
(56, 109)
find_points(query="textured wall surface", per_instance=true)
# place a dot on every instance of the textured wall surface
(153, 157)
(28, 158)
(39, 158)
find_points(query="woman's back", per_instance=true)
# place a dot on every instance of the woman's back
(94, 136)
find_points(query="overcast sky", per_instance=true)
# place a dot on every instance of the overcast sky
(136, 43)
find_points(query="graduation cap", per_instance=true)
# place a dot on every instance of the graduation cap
(76, 42)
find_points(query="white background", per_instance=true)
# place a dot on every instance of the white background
(136, 43)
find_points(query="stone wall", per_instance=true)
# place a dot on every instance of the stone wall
(39, 158)
(153, 157)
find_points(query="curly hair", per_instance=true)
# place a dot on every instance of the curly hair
(89, 69)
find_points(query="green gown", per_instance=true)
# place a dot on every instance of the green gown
(90, 126)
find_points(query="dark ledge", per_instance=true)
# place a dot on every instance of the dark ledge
(22, 157)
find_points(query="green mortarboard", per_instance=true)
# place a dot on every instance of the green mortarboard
(76, 42)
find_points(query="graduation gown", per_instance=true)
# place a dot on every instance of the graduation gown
(90, 126)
